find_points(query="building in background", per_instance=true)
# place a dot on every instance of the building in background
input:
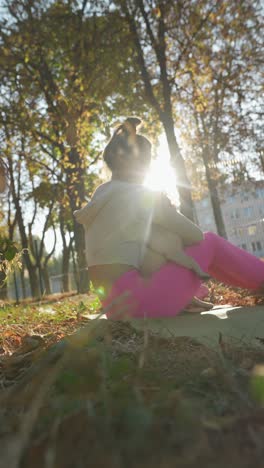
(243, 213)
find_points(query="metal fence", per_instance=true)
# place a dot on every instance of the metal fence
(17, 289)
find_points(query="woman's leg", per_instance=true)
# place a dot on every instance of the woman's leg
(172, 287)
(228, 263)
(202, 292)
(165, 294)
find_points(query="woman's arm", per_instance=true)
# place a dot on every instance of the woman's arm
(165, 214)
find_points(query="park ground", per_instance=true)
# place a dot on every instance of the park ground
(77, 392)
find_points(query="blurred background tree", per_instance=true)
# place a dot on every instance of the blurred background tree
(61, 87)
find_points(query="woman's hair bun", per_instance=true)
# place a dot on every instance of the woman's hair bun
(129, 126)
(135, 121)
(124, 141)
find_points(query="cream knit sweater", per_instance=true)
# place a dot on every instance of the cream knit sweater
(118, 220)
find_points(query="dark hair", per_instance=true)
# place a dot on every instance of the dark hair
(126, 143)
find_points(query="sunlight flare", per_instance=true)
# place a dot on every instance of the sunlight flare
(161, 176)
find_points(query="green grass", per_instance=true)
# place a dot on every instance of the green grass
(58, 311)
(121, 400)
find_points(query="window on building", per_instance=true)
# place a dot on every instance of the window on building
(235, 214)
(253, 244)
(231, 199)
(260, 192)
(252, 230)
(205, 202)
(244, 246)
(248, 211)
(259, 246)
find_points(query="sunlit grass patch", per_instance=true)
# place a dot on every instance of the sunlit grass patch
(52, 319)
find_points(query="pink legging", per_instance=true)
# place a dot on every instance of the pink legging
(172, 287)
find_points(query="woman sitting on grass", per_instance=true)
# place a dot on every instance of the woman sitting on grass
(140, 248)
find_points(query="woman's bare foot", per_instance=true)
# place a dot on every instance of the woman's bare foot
(204, 276)
(207, 305)
(197, 306)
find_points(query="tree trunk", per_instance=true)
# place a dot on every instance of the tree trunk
(83, 283)
(33, 280)
(75, 273)
(22, 280)
(3, 286)
(65, 268)
(214, 197)
(32, 271)
(177, 161)
(163, 110)
(46, 279)
(261, 159)
(66, 251)
(76, 192)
